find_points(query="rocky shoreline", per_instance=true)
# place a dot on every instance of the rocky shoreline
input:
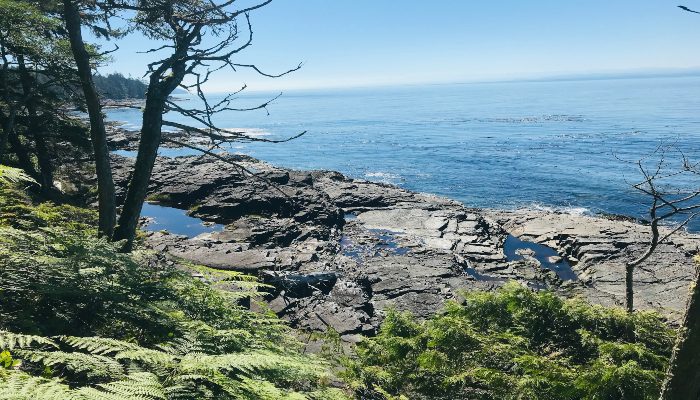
(340, 251)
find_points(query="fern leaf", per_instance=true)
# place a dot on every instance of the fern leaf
(17, 385)
(138, 386)
(153, 358)
(9, 175)
(10, 340)
(99, 345)
(92, 366)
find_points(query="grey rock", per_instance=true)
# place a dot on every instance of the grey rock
(406, 250)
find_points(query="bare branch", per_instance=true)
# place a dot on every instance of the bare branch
(688, 9)
(228, 136)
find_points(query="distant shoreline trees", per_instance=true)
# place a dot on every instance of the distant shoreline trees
(116, 86)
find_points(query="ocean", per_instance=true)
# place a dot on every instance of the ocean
(563, 145)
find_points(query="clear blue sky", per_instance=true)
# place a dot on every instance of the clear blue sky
(386, 42)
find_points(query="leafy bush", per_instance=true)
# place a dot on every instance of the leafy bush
(82, 321)
(514, 344)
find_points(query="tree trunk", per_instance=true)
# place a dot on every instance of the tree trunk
(24, 160)
(8, 124)
(683, 376)
(145, 159)
(35, 129)
(653, 243)
(8, 128)
(159, 88)
(98, 134)
(629, 283)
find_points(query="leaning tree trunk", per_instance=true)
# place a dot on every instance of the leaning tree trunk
(683, 376)
(159, 88)
(98, 135)
(35, 129)
(145, 159)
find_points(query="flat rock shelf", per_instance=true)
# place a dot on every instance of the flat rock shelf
(340, 251)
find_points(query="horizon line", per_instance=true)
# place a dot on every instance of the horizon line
(555, 77)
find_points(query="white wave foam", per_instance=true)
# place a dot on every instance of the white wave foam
(252, 132)
(386, 175)
(128, 126)
(571, 210)
(383, 177)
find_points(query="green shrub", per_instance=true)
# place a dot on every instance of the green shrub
(81, 320)
(514, 344)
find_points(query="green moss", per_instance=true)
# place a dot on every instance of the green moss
(159, 197)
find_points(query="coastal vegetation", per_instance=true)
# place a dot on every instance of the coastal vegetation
(515, 344)
(83, 321)
(89, 311)
(108, 325)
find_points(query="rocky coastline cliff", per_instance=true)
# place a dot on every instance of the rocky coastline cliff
(339, 251)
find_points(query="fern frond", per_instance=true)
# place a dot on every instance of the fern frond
(17, 385)
(264, 390)
(90, 365)
(9, 175)
(248, 363)
(191, 343)
(220, 274)
(10, 340)
(138, 386)
(153, 358)
(99, 345)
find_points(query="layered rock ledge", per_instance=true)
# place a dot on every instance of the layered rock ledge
(340, 251)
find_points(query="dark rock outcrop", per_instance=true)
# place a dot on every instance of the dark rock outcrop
(338, 252)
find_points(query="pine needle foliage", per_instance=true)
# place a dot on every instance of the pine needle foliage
(83, 321)
(514, 344)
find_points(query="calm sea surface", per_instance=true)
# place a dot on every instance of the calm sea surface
(505, 145)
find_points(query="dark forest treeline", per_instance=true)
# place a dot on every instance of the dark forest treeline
(116, 86)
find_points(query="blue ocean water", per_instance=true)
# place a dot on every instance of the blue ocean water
(552, 144)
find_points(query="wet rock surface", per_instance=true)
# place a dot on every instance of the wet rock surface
(338, 252)
(598, 249)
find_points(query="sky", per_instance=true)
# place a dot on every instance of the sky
(356, 43)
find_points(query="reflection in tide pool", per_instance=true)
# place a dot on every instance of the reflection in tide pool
(175, 221)
(545, 255)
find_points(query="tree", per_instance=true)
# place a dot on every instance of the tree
(30, 92)
(118, 87)
(674, 202)
(683, 377)
(107, 204)
(34, 65)
(201, 37)
(672, 205)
